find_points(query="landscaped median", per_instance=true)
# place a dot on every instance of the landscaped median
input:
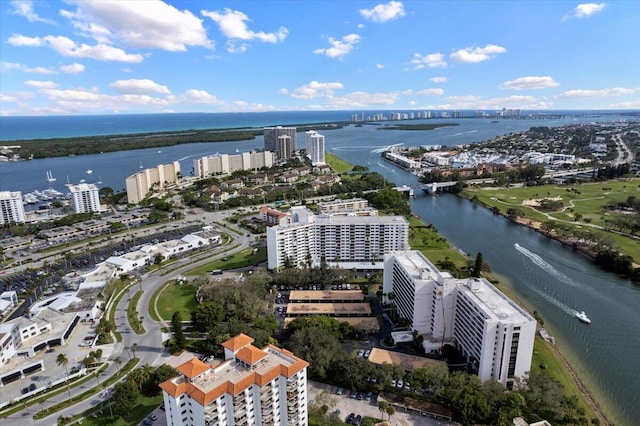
(126, 368)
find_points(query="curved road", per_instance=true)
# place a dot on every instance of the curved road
(149, 345)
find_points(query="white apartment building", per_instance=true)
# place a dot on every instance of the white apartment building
(85, 198)
(226, 164)
(284, 147)
(271, 135)
(494, 333)
(11, 207)
(252, 386)
(315, 147)
(348, 242)
(139, 185)
(350, 207)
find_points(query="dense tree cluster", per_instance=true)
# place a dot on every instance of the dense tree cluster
(389, 201)
(539, 397)
(141, 381)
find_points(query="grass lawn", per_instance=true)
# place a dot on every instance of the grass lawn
(435, 247)
(176, 297)
(145, 405)
(543, 354)
(337, 165)
(247, 257)
(588, 200)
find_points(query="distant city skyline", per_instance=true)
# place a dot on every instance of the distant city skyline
(96, 57)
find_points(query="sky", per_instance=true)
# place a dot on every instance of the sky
(153, 56)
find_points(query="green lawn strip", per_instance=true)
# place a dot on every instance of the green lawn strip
(176, 297)
(128, 366)
(154, 297)
(144, 406)
(41, 398)
(319, 421)
(247, 257)
(435, 247)
(543, 354)
(337, 165)
(132, 314)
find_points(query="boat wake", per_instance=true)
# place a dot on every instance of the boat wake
(538, 261)
(463, 133)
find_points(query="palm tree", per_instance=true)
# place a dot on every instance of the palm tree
(62, 359)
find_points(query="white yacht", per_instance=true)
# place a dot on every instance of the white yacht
(583, 317)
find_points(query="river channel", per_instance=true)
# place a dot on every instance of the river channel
(554, 280)
(550, 278)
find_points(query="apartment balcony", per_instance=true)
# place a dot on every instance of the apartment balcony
(210, 408)
(211, 416)
(238, 414)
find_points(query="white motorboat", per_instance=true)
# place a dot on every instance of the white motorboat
(50, 177)
(89, 171)
(583, 317)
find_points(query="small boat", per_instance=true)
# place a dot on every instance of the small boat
(50, 177)
(99, 180)
(68, 182)
(89, 171)
(141, 165)
(583, 317)
(159, 152)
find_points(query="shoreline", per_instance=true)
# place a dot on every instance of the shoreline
(586, 393)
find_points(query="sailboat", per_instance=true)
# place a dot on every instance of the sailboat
(141, 164)
(99, 180)
(50, 177)
(68, 182)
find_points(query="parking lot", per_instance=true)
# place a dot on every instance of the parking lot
(347, 405)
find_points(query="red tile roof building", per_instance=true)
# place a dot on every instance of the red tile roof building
(253, 386)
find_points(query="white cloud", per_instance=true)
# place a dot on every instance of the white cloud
(74, 68)
(472, 55)
(379, 66)
(530, 83)
(316, 89)
(41, 84)
(628, 104)
(200, 97)
(585, 10)
(233, 24)
(25, 8)
(7, 66)
(21, 40)
(233, 46)
(362, 99)
(138, 87)
(339, 48)
(423, 92)
(283, 91)
(139, 24)
(384, 12)
(432, 60)
(100, 52)
(602, 93)
(439, 79)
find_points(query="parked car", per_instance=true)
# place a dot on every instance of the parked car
(369, 396)
(340, 391)
(400, 384)
(350, 418)
(357, 420)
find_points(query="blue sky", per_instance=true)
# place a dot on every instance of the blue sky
(147, 56)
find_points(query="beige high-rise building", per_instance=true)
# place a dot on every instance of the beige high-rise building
(252, 386)
(139, 185)
(225, 164)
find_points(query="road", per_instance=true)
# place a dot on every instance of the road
(149, 345)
